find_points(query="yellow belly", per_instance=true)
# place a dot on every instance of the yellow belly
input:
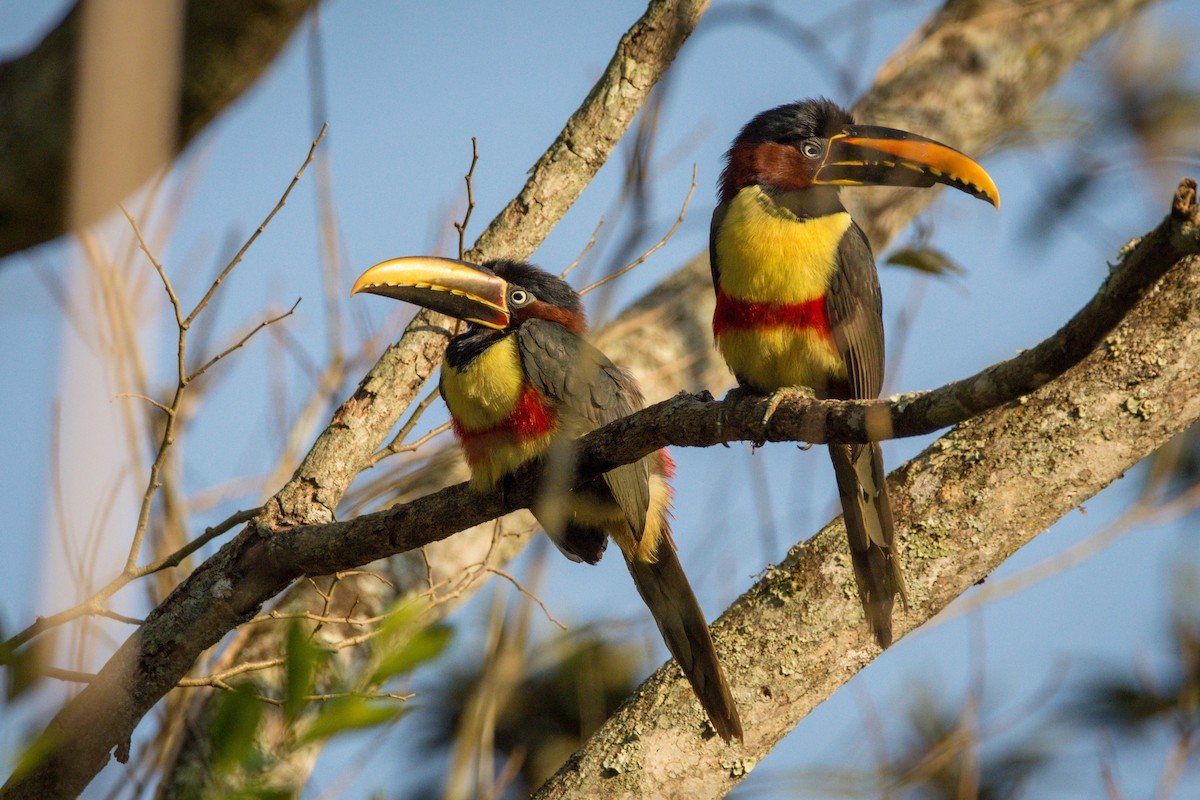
(480, 397)
(766, 360)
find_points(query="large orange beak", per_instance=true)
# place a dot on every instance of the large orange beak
(867, 155)
(455, 288)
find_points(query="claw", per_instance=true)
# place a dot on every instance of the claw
(779, 395)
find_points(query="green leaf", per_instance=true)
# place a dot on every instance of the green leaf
(235, 723)
(927, 260)
(301, 664)
(351, 713)
(400, 621)
(422, 646)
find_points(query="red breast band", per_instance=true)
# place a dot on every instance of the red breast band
(533, 416)
(733, 314)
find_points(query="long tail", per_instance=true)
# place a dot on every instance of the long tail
(665, 588)
(868, 516)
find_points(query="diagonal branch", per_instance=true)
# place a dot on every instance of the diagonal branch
(964, 505)
(152, 661)
(664, 337)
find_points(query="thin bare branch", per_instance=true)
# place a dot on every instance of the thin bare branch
(394, 446)
(66, 675)
(170, 412)
(241, 342)
(158, 267)
(591, 243)
(241, 253)
(174, 559)
(461, 227)
(527, 593)
(640, 259)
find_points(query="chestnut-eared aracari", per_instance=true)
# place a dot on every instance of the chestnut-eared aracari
(798, 302)
(521, 383)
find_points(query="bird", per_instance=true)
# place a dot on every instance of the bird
(798, 305)
(521, 383)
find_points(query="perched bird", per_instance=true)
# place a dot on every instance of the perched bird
(798, 302)
(521, 384)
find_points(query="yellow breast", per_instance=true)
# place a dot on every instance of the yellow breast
(486, 390)
(767, 253)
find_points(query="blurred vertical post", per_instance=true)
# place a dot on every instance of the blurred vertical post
(126, 100)
(126, 110)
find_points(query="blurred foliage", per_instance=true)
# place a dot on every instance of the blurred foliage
(235, 723)
(302, 658)
(312, 676)
(927, 260)
(957, 749)
(1144, 120)
(944, 755)
(350, 713)
(1132, 705)
(1175, 467)
(25, 666)
(573, 683)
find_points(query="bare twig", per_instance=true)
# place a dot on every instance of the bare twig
(461, 227)
(640, 259)
(241, 253)
(94, 605)
(134, 395)
(158, 267)
(416, 444)
(527, 593)
(591, 243)
(394, 446)
(242, 341)
(174, 559)
(66, 675)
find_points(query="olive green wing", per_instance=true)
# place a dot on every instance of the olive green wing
(855, 309)
(589, 391)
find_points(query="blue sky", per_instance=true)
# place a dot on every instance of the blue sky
(408, 85)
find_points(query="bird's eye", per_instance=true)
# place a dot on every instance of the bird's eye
(519, 297)
(811, 148)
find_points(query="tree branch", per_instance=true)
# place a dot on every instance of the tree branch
(227, 45)
(664, 338)
(961, 507)
(152, 661)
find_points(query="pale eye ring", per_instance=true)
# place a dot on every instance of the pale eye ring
(810, 148)
(519, 297)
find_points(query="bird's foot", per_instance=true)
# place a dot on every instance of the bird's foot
(779, 395)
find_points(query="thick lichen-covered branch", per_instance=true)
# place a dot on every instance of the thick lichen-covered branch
(974, 497)
(205, 607)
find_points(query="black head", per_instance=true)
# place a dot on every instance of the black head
(542, 285)
(792, 123)
(815, 145)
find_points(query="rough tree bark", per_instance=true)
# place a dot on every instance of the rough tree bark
(995, 59)
(1013, 83)
(102, 717)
